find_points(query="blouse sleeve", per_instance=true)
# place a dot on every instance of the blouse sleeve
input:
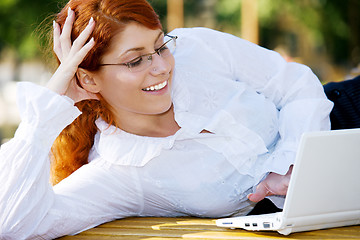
(29, 206)
(293, 88)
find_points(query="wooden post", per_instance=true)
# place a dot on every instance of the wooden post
(249, 20)
(175, 14)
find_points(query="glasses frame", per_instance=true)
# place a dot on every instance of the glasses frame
(148, 55)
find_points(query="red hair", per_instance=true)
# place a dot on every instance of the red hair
(71, 148)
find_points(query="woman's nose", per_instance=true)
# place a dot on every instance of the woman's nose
(160, 65)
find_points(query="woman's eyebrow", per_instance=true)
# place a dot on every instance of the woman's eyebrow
(136, 49)
(161, 33)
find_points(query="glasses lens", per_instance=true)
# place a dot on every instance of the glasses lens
(140, 63)
(144, 61)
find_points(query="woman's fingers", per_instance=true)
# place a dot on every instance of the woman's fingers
(273, 184)
(81, 54)
(66, 71)
(261, 192)
(63, 47)
(57, 44)
(65, 37)
(83, 36)
(80, 48)
(62, 38)
(71, 54)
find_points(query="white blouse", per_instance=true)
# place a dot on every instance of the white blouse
(255, 105)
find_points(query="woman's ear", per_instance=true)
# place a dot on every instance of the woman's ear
(87, 81)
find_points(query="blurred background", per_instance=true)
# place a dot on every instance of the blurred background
(323, 34)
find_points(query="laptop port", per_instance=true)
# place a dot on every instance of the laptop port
(254, 224)
(266, 225)
(247, 224)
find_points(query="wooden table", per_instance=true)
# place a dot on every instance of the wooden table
(196, 228)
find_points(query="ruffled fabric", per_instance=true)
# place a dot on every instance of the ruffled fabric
(122, 148)
(255, 116)
(35, 113)
(229, 127)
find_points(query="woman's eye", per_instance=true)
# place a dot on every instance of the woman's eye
(162, 48)
(134, 63)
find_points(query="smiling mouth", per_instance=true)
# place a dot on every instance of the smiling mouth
(156, 87)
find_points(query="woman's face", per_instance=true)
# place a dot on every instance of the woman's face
(133, 93)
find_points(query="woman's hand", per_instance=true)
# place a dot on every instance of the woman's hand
(273, 184)
(70, 55)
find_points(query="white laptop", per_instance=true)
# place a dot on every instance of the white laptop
(324, 190)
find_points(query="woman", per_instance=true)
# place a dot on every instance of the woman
(200, 133)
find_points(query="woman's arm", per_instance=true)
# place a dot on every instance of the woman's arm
(293, 88)
(296, 92)
(25, 192)
(28, 205)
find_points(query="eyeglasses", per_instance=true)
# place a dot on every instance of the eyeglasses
(144, 61)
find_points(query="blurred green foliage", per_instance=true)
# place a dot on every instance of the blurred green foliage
(333, 25)
(19, 20)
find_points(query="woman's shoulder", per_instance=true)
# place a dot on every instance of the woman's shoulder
(194, 30)
(197, 32)
(202, 38)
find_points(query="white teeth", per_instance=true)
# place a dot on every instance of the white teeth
(156, 87)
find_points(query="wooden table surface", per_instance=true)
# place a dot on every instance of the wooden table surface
(196, 228)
